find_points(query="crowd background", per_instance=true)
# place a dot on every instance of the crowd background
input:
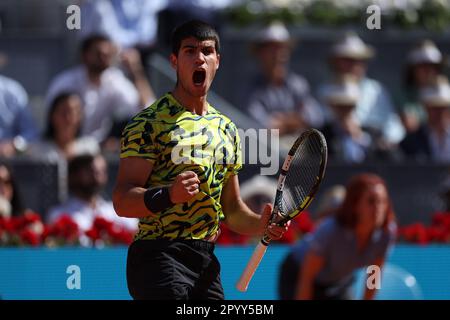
(381, 97)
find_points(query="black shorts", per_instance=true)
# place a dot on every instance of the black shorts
(173, 269)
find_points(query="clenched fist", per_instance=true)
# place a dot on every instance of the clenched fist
(185, 187)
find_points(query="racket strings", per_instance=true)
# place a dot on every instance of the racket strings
(303, 173)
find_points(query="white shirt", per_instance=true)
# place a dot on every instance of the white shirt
(115, 99)
(47, 150)
(127, 22)
(84, 215)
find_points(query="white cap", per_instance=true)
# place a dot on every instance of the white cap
(345, 91)
(351, 46)
(259, 185)
(437, 95)
(275, 32)
(425, 52)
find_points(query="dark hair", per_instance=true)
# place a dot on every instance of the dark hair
(408, 74)
(197, 29)
(346, 214)
(17, 207)
(92, 39)
(80, 162)
(50, 130)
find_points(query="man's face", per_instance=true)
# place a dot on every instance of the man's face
(438, 116)
(99, 56)
(274, 55)
(91, 179)
(196, 65)
(355, 67)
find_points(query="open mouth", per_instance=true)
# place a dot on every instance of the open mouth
(199, 77)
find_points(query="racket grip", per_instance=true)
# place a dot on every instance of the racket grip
(252, 265)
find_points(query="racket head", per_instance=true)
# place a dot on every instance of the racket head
(300, 177)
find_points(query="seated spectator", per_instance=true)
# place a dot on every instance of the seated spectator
(108, 96)
(17, 126)
(279, 98)
(87, 178)
(177, 12)
(321, 266)
(61, 140)
(11, 204)
(424, 64)
(348, 140)
(330, 202)
(129, 23)
(445, 194)
(432, 140)
(256, 193)
(374, 108)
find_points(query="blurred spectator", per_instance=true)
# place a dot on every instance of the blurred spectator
(87, 177)
(258, 191)
(321, 266)
(445, 194)
(61, 140)
(432, 140)
(330, 202)
(279, 98)
(424, 63)
(348, 140)
(255, 192)
(10, 200)
(17, 126)
(108, 96)
(180, 11)
(374, 108)
(129, 23)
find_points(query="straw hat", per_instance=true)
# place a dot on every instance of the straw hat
(259, 185)
(351, 46)
(345, 91)
(437, 95)
(425, 52)
(276, 32)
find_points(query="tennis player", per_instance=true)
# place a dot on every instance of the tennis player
(178, 175)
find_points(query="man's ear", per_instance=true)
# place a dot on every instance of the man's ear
(218, 61)
(173, 61)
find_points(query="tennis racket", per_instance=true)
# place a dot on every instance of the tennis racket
(300, 176)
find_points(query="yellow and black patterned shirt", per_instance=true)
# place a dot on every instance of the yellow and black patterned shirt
(177, 140)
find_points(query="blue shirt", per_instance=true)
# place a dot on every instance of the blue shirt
(15, 115)
(374, 109)
(338, 246)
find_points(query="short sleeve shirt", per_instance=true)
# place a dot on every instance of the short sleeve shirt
(177, 140)
(338, 246)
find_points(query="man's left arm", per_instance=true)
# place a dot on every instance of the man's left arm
(239, 218)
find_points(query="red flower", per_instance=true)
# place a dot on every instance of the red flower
(64, 230)
(93, 234)
(416, 233)
(29, 237)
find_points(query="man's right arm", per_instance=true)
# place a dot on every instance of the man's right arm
(128, 194)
